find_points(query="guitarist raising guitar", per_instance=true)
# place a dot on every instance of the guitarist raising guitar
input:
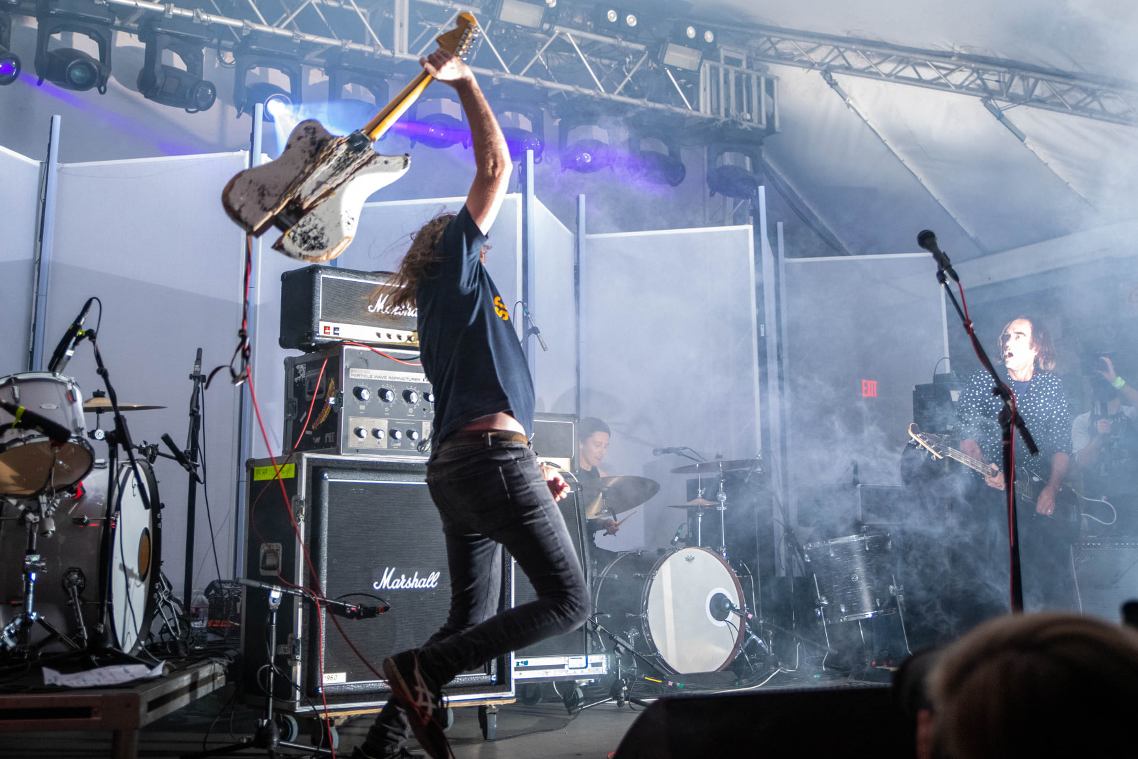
(1028, 356)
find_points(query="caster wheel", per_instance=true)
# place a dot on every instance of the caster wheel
(320, 735)
(446, 718)
(288, 726)
(530, 693)
(488, 721)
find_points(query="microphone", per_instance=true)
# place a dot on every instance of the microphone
(26, 418)
(679, 534)
(358, 611)
(720, 606)
(197, 365)
(662, 451)
(66, 347)
(927, 240)
(180, 457)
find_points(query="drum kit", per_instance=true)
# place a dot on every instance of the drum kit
(682, 610)
(87, 531)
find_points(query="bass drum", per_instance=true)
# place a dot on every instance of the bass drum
(663, 606)
(71, 556)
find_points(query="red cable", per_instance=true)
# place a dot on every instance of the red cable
(378, 352)
(311, 405)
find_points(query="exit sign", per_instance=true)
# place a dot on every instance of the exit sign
(868, 388)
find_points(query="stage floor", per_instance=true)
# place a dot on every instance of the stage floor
(543, 730)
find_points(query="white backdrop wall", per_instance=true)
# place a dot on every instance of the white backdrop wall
(669, 357)
(848, 319)
(554, 312)
(19, 194)
(149, 238)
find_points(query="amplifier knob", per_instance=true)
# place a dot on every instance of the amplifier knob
(361, 432)
(428, 396)
(363, 393)
(396, 435)
(385, 395)
(379, 433)
(412, 435)
(411, 396)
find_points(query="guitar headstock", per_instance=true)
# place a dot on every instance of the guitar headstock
(461, 38)
(933, 444)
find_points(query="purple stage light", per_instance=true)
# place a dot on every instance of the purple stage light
(9, 69)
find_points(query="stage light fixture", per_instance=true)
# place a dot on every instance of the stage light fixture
(343, 74)
(169, 85)
(9, 61)
(693, 35)
(655, 159)
(69, 67)
(583, 144)
(680, 56)
(521, 13)
(524, 128)
(277, 100)
(732, 171)
(437, 123)
(614, 19)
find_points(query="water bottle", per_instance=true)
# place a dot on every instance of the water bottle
(199, 619)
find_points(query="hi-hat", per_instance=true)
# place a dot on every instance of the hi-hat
(612, 495)
(99, 404)
(718, 465)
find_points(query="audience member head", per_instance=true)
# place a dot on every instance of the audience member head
(1037, 685)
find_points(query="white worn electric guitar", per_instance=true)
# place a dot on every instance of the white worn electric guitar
(314, 192)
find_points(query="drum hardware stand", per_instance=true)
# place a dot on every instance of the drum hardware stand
(897, 591)
(75, 582)
(620, 691)
(15, 633)
(172, 613)
(268, 732)
(190, 456)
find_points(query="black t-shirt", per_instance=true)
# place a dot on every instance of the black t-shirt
(470, 352)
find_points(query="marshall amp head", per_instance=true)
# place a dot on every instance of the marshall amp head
(365, 402)
(325, 304)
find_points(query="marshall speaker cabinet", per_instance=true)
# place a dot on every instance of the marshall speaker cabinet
(370, 528)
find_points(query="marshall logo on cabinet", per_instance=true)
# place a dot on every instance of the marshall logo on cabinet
(370, 527)
(325, 304)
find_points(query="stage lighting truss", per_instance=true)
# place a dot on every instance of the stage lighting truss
(69, 67)
(732, 170)
(9, 61)
(357, 74)
(168, 84)
(276, 99)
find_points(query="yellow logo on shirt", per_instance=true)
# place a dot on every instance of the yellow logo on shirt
(500, 309)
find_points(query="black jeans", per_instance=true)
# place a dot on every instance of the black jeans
(492, 493)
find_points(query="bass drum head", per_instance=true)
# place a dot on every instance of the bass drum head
(136, 560)
(678, 619)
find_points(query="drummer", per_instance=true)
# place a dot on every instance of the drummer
(593, 437)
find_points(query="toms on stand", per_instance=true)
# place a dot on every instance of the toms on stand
(31, 462)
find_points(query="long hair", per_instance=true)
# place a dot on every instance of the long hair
(416, 264)
(1040, 341)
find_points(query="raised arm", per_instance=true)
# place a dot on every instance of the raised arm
(491, 156)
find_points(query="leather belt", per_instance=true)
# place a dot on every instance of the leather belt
(485, 437)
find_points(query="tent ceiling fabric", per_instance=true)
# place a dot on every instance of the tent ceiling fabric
(903, 158)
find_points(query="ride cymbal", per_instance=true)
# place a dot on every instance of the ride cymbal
(100, 404)
(616, 494)
(718, 465)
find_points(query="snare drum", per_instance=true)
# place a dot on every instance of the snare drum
(663, 606)
(72, 553)
(853, 576)
(30, 463)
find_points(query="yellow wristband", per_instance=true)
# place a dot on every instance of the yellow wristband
(1118, 383)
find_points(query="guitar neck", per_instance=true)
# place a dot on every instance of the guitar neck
(391, 112)
(974, 464)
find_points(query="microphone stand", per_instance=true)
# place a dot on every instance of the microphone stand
(1009, 421)
(192, 451)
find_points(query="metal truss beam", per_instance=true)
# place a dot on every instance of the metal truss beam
(564, 61)
(1101, 98)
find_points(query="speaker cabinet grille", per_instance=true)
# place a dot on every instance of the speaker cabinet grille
(1106, 575)
(370, 528)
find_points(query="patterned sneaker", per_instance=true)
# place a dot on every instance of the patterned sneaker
(422, 699)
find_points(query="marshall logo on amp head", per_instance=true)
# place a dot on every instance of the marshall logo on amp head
(325, 304)
(389, 581)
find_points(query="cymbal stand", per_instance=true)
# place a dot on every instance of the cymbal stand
(721, 497)
(14, 636)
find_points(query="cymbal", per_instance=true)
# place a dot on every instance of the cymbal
(616, 494)
(717, 465)
(695, 503)
(102, 403)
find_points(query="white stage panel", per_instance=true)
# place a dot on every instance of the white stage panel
(554, 312)
(150, 239)
(19, 197)
(669, 357)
